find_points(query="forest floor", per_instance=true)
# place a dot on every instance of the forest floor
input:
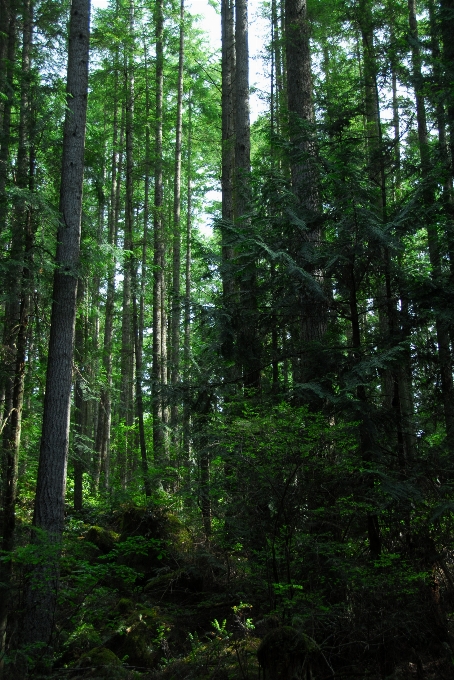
(144, 596)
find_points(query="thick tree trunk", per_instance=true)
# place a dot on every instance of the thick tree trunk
(366, 426)
(202, 411)
(443, 150)
(248, 347)
(447, 29)
(442, 328)
(228, 164)
(42, 582)
(311, 326)
(16, 327)
(7, 59)
(300, 109)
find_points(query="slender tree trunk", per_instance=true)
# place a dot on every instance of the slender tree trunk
(396, 126)
(127, 340)
(187, 297)
(105, 406)
(139, 399)
(158, 258)
(80, 404)
(94, 421)
(176, 294)
(42, 582)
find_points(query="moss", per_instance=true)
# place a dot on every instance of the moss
(136, 645)
(101, 662)
(181, 539)
(125, 606)
(103, 539)
(142, 521)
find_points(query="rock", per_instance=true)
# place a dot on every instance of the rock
(101, 662)
(103, 539)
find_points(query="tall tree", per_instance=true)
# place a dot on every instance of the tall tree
(17, 310)
(127, 337)
(176, 277)
(48, 518)
(248, 348)
(228, 163)
(159, 330)
(312, 313)
(428, 197)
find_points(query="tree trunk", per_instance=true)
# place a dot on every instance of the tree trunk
(8, 48)
(42, 582)
(442, 329)
(176, 301)
(16, 326)
(447, 30)
(228, 163)
(158, 257)
(308, 332)
(366, 427)
(248, 348)
(139, 399)
(105, 406)
(80, 404)
(187, 298)
(127, 341)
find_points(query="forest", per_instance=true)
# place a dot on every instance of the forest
(226, 386)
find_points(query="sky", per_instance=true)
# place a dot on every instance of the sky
(210, 22)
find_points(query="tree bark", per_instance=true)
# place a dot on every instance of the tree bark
(80, 404)
(248, 347)
(158, 257)
(139, 399)
(442, 329)
(48, 519)
(308, 332)
(105, 405)
(7, 59)
(127, 340)
(447, 29)
(228, 163)
(187, 297)
(16, 317)
(17, 327)
(176, 294)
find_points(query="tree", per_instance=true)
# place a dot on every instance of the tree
(50, 493)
